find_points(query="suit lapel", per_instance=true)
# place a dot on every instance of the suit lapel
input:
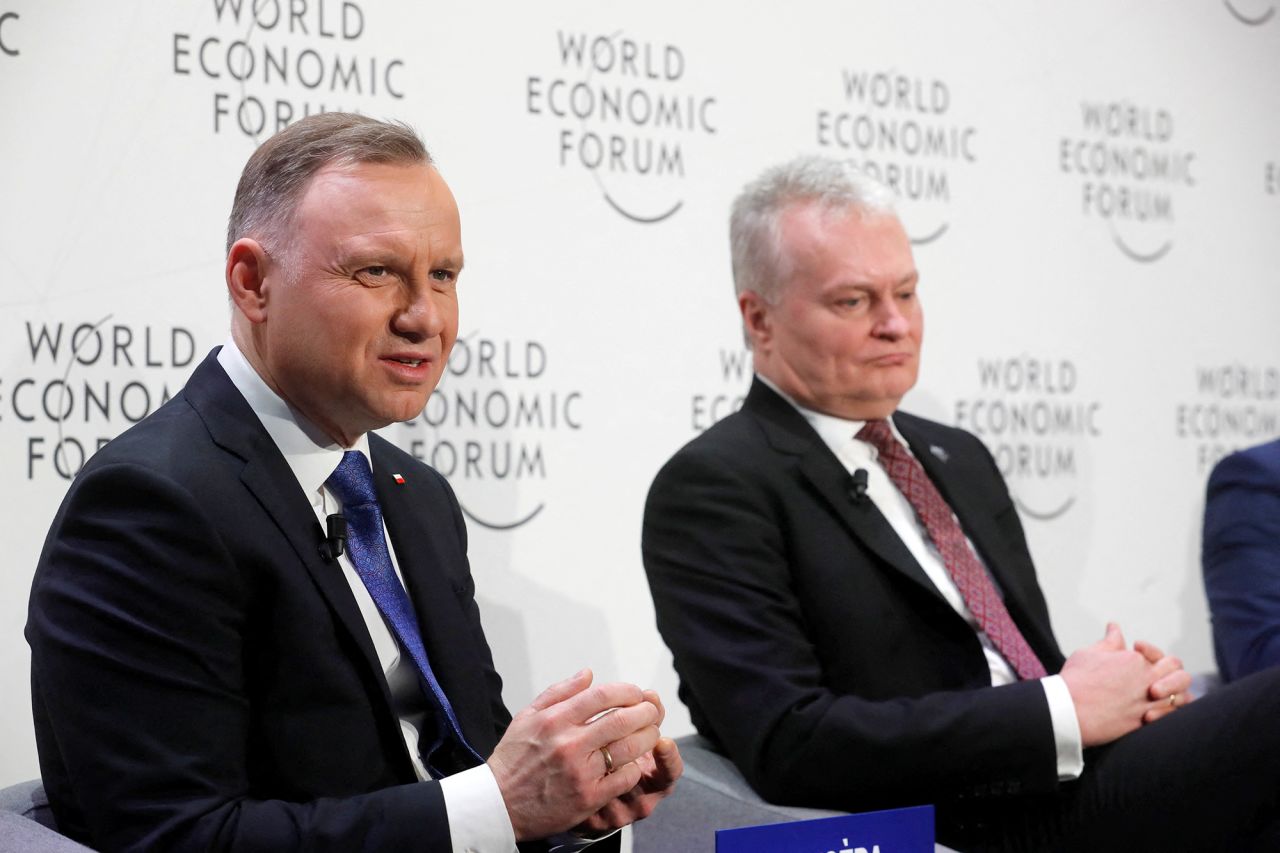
(788, 432)
(415, 516)
(974, 510)
(956, 490)
(236, 429)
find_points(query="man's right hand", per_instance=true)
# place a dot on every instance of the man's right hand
(1109, 685)
(549, 765)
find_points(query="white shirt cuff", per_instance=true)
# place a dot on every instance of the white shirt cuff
(1066, 728)
(478, 820)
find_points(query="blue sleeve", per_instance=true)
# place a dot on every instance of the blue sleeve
(1241, 560)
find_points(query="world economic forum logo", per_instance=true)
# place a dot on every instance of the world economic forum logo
(1039, 424)
(626, 114)
(8, 34)
(1251, 12)
(1230, 406)
(85, 382)
(1132, 173)
(495, 426)
(269, 63)
(904, 130)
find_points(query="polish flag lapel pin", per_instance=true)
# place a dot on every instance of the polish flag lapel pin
(399, 478)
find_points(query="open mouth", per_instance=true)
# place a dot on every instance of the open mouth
(412, 362)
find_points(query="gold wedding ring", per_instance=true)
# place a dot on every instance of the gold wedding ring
(1173, 700)
(608, 760)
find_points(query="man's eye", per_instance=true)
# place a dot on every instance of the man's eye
(442, 275)
(374, 272)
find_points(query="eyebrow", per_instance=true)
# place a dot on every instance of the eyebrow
(910, 278)
(376, 252)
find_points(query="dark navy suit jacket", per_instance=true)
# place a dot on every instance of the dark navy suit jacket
(203, 680)
(1241, 559)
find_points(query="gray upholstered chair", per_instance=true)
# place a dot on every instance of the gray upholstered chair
(26, 822)
(711, 795)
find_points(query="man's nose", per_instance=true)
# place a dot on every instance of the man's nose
(421, 317)
(891, 322)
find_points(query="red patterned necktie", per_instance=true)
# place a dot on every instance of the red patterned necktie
(962, 564)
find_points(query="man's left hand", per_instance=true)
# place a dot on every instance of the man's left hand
(659, 768)
(1170, 683)
(659, 771)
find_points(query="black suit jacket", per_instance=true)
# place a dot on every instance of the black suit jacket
(203, 679)
(809, 643)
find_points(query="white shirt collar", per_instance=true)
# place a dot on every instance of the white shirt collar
(839, 434)
(311, 454)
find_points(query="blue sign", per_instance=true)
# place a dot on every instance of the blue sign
(893, 831)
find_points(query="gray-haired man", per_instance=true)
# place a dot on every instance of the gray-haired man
(851, 604)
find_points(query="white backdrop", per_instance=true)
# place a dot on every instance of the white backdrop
(1094, 188)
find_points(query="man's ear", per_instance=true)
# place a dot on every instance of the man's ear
(756, 321)
(247, 278)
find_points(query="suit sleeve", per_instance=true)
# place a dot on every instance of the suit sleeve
(138, 627)
(1241, 561)
(716, 552)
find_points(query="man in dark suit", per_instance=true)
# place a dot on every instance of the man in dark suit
(849, 597)
(212, 669)
(1241, 559)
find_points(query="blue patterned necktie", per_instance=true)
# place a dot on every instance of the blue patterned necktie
(352, 482)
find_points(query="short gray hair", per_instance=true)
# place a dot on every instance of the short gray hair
(278, 173)
(755, 231)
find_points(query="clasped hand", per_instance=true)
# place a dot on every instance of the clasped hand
(554, 775)
(1116, 689)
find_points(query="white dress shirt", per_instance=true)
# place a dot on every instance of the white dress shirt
(478, 820)
(840, 435)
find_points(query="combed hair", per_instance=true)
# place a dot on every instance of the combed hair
(755, 230)
(277, 174)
